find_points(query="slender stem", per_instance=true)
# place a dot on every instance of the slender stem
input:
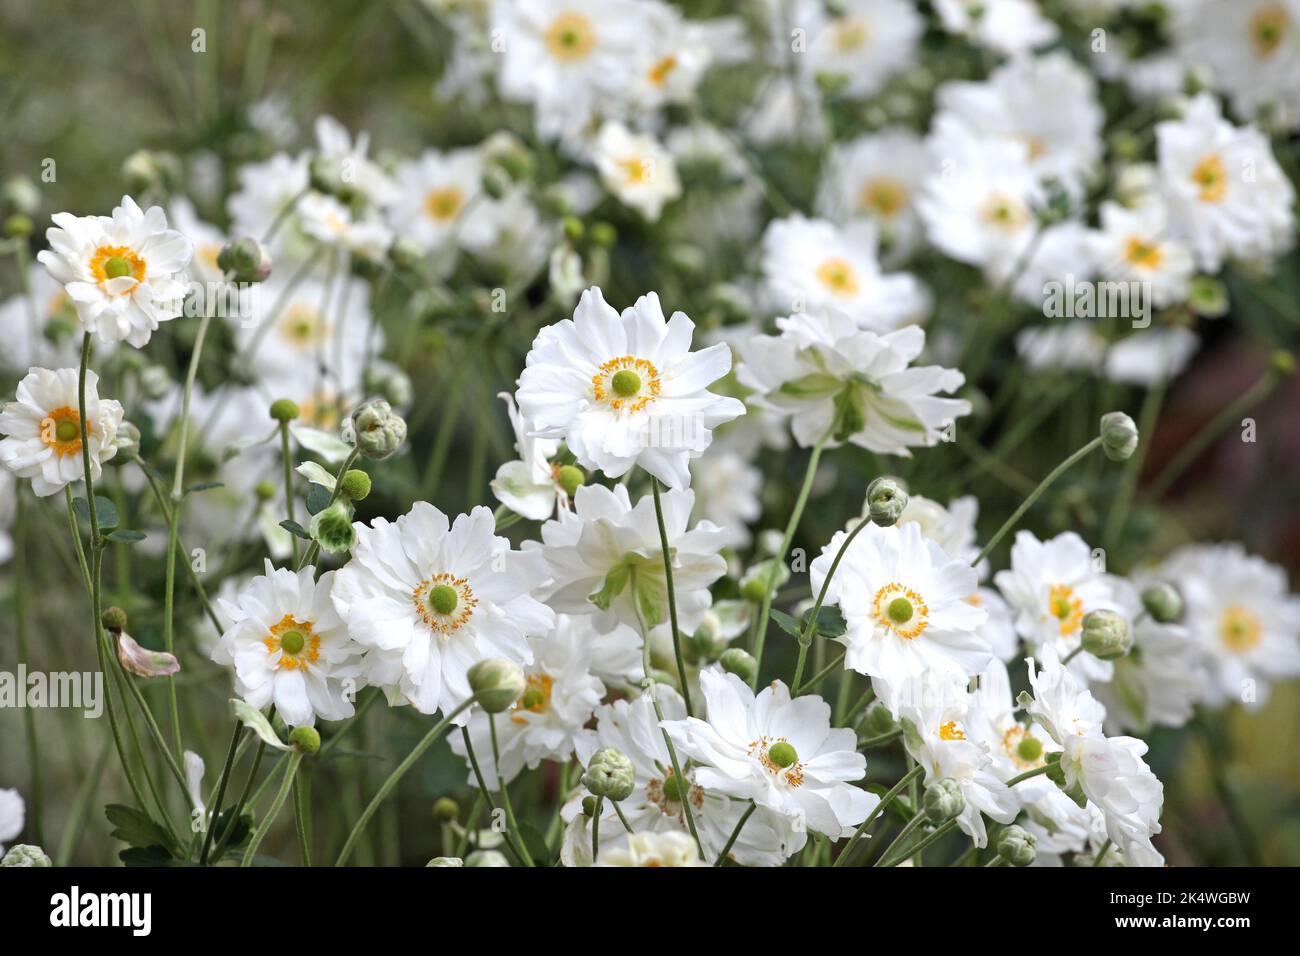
(806, 636)
(820, 676)
(903, 834)
(622, 817)
(221, 792)
(893, 792)
(735, 834)
(997, 861)
(505, 795)
(310, 555)
(1071, 656)
(760, 629)
(1118, 515)
(302, 814)
(286, 452)
(878, 740)
(229, 829)
(387, 787)
(672, 597)
(1101, 854)
(924, 842)
(286, 783)
(24, 652)
(1036, 772)
(595, 830)
(1034, 495)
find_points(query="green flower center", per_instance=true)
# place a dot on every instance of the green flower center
(783, 754)
(1029, 749)
(443, 599)
(672, 790)
(67, 431)
(899, 610)
(116, 267)
(625, 383)
(292, 642)
(533, 697)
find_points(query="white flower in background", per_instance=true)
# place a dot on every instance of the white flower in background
(669, 848)
(1052, 585)
(787, 109)
(827, 374)
(436, 196)
(42, 429)
(780, 752)
(12, 816)
(429, 599)
(812, 265)
(626, 390)
(593, 551)
(862, 44)
(980, 207)
(906, 604)
(8, 507)
(266, 191)
(356, 171)
(330, 221)
(41, 328)
(1133, 245)
(935, 736)
(1071, 346)
(1149, 356)
(288, 647)
(1240, 613)
(1251, 50)
(124, 273)
(1061, 254)
(1006, 26)
(655, 804)
(1048, 104)
(1000, 629)
(568, 57)
(559, 699)
(206, 238)
(1160, 679)
(877, 177)
(726, 490)
(951, 528)
(1109, 770)
(731, 210)
(673, 55)
(636, 169)
(1227, 195)
(531, 485)
(1014, 747)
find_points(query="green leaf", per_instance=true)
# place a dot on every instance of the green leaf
(785, 622)
(153, 855)
(318, 499)
(256, 721)
(830, 622)
(295, 529)
(316, 475)
(105, 511)
(135, 827)
(205, 486)
(125, 536)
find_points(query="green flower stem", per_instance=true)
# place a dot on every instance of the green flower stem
(302, 813)
(1036, 772)
(893, 792)
(1213, 429)
(735, 834)
(471, 822)
(81, 807)
(165, 510)
(1118, 515)
(859, 705)
(892, 851)
(484, 792)
(286, 783)
(1101, 854)
(820, 676)
(505, 795)
(286, 452)
(760, 627)
(806, 636)
(221, 793)
(1034, 495)
(877, 741)
(1072, 655)
(622, 817)
(997, 861)
(925, 841)
(310, 555)
(387, 787)
(24, 653)
(595, 830)
(672, 597)
(229, 830)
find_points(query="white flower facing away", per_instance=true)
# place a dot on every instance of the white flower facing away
(780, 752)
(626, 390)
(428, 599)
(288, 647)
(530, 485)
(42, 429)
(125, 273)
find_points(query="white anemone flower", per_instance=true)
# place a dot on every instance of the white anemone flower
(626, 390)
(288, 647)
(125, 273)
(529, 486)
(42, 429)
(428, 599)
(669, 848)
(636, 169)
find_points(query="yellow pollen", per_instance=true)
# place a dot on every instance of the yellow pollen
(851, 34)
(444, 204)
(636, 170)
(950, 731)
(883, 196)
(1065, 607)
(886, 597)
(1240, 629)
(1267, 28)
(61, 430)
(603, 386)
(444, 624)
(1212, 178)
(838, 276)
(570, 37)
(307, 641)
(107, 259)
(1143, 254)
(660, 72)
(536, 698)
(761, 748)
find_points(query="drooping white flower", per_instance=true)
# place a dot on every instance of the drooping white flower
(812, 265)
(906, 604)
(530, 485)
(124, 273)
(778, 751)
(428, 599)
(1015, 747)
(1227, 195)
(289, 647)
(636, 169)
(1240, 613)
(831, 376)
(1052, 585)
(878, 177)
(605, 557)
(626, 390)
(655, 804)
(42, 429)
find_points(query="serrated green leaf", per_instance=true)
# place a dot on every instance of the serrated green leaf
(135, 827)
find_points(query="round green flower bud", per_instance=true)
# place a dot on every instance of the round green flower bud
(878, 720)
(497, 682)
(589, 806)
(245, 260)
(24, 854)
(571, 478)
(1017, 846)
(1283, 362)
(1105, 635)
(332, 529)
(113, 619)
(738, 661)
(573, 227)
(610, 774)
(19, 226)
(445, 809)
(265, 490)
(886, 500)
(1163, 602)
(516, 161)
(148, 170)
(376, 429)
(355, 484)
(783, 754)
(486, 858)
(284, 410)
(603, 234)
(754, 589)
(1208, 297)
(445, 861)
(1119, 436)
(943, 801)
(305, 740)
